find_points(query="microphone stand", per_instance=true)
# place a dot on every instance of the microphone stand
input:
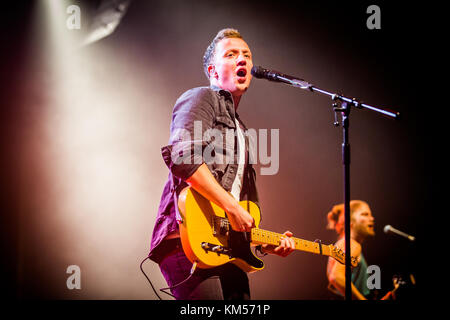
(344, 109)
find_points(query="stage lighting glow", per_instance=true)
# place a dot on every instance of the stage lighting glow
(95, 158)
(106, 20)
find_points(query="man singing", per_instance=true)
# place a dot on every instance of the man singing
(227, 63)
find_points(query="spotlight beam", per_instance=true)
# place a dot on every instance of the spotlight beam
(106, 19)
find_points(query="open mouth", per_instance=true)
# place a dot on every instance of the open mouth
(242, 72)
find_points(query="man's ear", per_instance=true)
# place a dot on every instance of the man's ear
(212, 72)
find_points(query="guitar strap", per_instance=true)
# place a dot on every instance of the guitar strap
(176, 188)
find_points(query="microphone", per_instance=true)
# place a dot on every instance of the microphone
(389, 228)
(272, 75)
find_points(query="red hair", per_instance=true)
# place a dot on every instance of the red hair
(336, 216)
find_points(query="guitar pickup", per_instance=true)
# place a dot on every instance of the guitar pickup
(216, 248)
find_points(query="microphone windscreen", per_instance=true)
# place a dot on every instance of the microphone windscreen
(258, 72)
(387, 228)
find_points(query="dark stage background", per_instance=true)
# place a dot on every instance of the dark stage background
(82, 132)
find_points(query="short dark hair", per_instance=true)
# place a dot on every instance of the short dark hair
(210, 51)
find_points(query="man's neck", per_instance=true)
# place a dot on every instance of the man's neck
(236, 100)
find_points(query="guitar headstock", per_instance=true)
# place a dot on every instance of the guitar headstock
(339, 255)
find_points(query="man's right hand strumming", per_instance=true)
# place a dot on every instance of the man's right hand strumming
(204, 182)
(240, 219)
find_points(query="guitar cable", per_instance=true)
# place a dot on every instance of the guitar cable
(194, 267)
(154, 290)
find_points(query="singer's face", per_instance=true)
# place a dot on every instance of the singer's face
(363, 223)
(232, 66)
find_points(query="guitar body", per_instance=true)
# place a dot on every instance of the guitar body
(207, 237)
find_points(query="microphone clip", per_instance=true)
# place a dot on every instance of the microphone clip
(343, 109)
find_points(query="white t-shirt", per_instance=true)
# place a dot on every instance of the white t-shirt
(237, 183)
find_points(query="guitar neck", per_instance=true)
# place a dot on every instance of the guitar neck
(260, 236)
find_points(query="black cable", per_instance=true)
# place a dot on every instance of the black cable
(194, 266)
(149, 279)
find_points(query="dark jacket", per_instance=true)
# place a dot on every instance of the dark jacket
(202, 131)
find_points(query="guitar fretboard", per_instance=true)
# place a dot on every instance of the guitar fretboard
(260, 236)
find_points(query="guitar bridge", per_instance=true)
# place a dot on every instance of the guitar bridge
(211, 247)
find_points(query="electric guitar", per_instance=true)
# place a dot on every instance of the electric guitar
(208, 240)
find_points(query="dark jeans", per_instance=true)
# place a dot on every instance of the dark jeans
(227, 282)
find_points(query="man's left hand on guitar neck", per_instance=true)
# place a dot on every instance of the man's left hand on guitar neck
(285, 248)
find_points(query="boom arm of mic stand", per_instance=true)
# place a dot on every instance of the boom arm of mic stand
(302, 84)
(353, 102)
